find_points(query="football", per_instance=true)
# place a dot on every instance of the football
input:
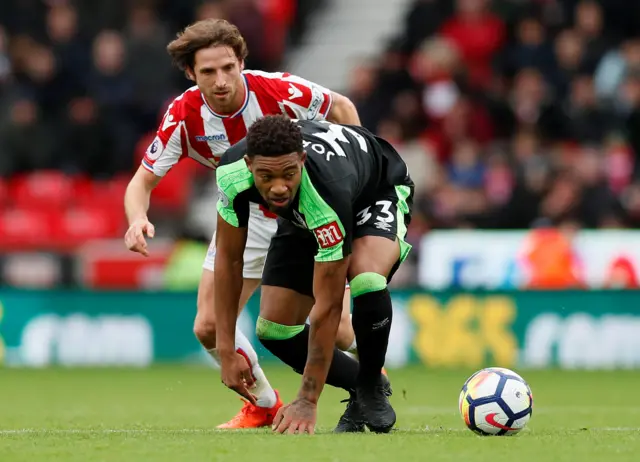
(496, 401)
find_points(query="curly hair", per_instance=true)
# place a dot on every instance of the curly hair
(203, 34)
(274, 135)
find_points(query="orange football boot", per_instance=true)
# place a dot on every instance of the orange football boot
(251, 416)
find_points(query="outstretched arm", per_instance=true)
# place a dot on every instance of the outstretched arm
(136, 205)
(328, 287)
(230, 244)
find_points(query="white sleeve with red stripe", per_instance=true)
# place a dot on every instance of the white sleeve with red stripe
(166, 150)
(307, 100)
(298, 98)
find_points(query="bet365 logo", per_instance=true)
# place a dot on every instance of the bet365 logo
(466, 330)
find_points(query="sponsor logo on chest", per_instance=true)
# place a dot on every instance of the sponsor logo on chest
(215, 137)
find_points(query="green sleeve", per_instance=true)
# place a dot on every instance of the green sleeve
(234, 179)
(330, 225)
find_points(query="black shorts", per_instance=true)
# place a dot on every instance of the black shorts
(290, 260)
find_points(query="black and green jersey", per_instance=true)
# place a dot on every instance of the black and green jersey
(346, 172)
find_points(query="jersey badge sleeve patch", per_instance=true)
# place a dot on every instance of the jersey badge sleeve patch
(155, 149)
(223, 198)
(317, 99)
(329, 235)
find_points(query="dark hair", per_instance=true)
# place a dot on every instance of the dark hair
(203, 34)
(274, 135)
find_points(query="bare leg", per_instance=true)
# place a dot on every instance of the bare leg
(346, 339)
(205, 322)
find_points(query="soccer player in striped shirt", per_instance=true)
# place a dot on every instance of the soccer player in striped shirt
(201, 124)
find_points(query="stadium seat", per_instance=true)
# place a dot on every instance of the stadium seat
(78, 224)
(46, 188)
(101, 193)
(26, 228)
(4, 192)
(173, 192)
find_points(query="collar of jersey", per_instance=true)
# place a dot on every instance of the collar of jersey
(239, 111)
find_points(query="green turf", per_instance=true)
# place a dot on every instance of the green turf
(169, 414)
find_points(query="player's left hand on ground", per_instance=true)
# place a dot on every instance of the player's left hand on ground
(296, 418)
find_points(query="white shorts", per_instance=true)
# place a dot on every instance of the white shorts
(261, 230)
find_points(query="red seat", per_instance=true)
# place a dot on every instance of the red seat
(175, 188)
(27, 228)
(79, 224)
(101, 193)
(4, 192)
(47, 188)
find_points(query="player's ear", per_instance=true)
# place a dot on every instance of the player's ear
(191, 75)
(303, 156)
(247, 160)
(241, 65)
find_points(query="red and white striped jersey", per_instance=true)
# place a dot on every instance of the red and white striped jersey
(191, 128)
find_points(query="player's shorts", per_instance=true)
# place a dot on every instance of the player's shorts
(290, 260)
(261, 230)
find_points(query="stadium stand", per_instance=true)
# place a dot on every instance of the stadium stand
(512, 114)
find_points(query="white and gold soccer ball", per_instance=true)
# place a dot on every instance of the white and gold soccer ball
(496, 401)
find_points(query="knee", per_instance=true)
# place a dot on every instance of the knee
(365, 283)
(267, 331)
(345, 335)
(204, 329)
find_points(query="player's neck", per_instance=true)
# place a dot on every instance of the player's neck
(234, 106)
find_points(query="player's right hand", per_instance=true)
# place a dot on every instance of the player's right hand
(236, 375)
(134, 238)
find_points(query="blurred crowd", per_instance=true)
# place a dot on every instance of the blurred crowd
(510, 113)
(513, 113)
(82, 82)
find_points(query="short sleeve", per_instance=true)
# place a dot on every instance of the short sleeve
(166, 150)
(307, 100)
(294, 96)
(328, 216)
(234, 180)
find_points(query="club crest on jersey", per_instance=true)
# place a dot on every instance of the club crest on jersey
(155, 149)
(328, 235)
(223, 198)
(299, 220)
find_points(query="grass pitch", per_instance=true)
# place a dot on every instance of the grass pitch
(170, 413)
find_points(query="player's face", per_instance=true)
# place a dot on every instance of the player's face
(277, 178)
(218, 74)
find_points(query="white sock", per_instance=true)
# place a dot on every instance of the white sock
(353, 348)
(262, 389)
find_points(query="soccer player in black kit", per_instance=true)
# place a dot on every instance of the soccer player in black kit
(343, 197)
